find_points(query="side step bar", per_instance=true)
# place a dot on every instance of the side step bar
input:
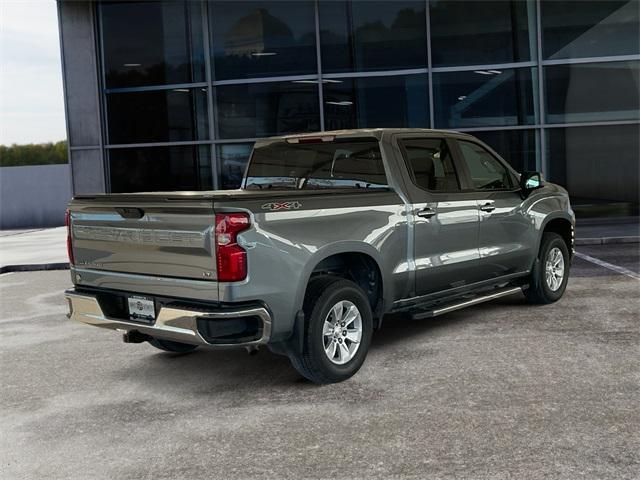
(466, 303)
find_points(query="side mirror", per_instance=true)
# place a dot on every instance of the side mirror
(530, 181)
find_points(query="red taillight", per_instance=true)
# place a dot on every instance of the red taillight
(231, 258)
(67, 222)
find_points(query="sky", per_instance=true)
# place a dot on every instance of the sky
(31, 98)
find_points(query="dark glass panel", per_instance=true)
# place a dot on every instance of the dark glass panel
(152, 43)
(156, 169)
(173, 115)
(484, 98)
(370, 35)
(255, 39)
(376, 102)
(431, 164)
(485, 170)
(518, 147)
(265, 109)
(343, 163)
(596, 163)
(592, 92)
(590, 28)
(475, 33)
(233, 158)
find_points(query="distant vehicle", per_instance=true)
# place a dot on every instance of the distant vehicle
(329, 232)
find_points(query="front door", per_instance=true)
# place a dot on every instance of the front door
(445, 219)
(505, 237)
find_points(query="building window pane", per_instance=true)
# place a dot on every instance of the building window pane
(474, 33)
(370, 35)
(152, 43)
(175, 115)
(518, 147)
(484, 98)
(233, 158)
(264, 109)
(592, 92)
(160, 169)
(254, 39)
(376, 102)
(596, 163)
(590, 28)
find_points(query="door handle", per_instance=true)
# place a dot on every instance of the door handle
(427, 212)
(488, 206)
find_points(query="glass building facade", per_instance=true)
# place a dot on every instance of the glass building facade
(185, 88)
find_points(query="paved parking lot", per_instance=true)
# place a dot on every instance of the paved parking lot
(502, 390)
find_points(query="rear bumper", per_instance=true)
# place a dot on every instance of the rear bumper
(178, 324)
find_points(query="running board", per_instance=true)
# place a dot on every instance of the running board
(467, 303)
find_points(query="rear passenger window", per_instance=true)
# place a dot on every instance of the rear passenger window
(431, 164)
(487, 173)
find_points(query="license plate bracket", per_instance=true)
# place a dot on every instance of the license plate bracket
(141, 309)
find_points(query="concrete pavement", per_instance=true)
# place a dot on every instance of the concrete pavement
(44, 249)
(502, 390)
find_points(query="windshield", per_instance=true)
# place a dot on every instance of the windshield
(350, 163)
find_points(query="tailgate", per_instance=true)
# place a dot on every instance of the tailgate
(150, 235)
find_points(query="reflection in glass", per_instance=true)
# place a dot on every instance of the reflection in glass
(152, 43)
(474, 33)
(154, 169)
(518, 147)
(264, 109)
(592, 92)
(233, 158)
(376, 102)
(254, 39)
(175, 115)
(587, 28)
(596, 163)
(372, 35)
(484, 98)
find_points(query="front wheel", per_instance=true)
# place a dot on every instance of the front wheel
(551, 273)
(337, 333)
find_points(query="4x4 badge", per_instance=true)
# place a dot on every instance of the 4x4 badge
(275, 206)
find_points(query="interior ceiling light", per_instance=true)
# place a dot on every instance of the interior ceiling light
(462, 97)
(263, 54)
(342, 103)
(482, 72)
(497, 72)
(132, 65)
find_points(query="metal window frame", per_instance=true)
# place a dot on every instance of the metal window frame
(211, 84)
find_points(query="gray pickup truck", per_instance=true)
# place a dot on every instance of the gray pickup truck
(329, 232)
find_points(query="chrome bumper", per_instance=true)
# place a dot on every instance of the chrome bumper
(175, 324)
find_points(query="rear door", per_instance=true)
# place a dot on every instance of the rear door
(445, 218)
(147, 235)
(505, 239)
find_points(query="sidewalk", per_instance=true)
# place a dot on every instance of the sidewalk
(25, 250)
(46, 249)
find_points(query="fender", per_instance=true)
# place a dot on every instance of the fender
(335, 249)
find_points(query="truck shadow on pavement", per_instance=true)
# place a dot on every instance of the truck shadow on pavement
(216, 372)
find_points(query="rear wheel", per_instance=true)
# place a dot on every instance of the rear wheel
(170, 346)
(550, 275)
(338, 328)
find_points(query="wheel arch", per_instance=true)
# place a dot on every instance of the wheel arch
(352, 260)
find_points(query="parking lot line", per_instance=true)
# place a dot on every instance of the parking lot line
(610, 266)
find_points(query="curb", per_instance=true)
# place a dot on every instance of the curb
(34, 267)
(607, 240)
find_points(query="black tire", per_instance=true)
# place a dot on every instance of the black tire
(170, 346)
(539, 291)
(322, 294)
